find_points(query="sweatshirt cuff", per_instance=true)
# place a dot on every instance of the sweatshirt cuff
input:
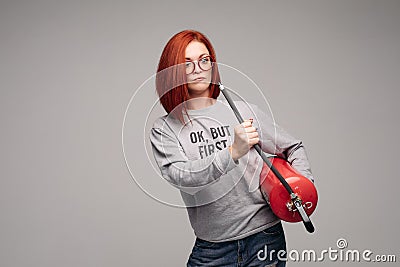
(224, 161)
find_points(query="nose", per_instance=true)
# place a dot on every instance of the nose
(197, 68)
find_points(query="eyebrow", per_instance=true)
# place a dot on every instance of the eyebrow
(188, 58)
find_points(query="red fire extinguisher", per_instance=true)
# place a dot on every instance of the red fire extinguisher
(277, 195)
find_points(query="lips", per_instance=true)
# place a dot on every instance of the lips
(199, 79)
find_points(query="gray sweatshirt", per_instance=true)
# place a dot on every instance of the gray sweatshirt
(223, 198)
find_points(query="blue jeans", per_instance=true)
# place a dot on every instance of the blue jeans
(264, 248)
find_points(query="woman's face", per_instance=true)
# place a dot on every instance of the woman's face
(199, 80)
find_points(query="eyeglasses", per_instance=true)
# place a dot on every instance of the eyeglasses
(204, 64)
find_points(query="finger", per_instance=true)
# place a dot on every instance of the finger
(250, 129)
(246, 123)
(252, 135)
(254, 141)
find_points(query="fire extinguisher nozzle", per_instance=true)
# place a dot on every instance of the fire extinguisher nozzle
(309, 227)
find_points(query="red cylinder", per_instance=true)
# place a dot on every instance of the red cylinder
(278, 196)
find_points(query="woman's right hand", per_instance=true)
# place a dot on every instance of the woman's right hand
(245, 137)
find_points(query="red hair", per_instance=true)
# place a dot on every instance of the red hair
(171, 83)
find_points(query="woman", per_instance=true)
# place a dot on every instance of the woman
(202, 150)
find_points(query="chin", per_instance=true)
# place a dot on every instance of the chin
(198, 87)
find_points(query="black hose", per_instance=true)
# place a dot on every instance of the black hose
(256, 146)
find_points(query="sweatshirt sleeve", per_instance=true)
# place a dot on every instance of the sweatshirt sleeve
(189, 176)
(276, 140)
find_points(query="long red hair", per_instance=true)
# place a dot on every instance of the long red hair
(171, 83)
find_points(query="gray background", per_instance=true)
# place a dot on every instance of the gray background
(330, 70)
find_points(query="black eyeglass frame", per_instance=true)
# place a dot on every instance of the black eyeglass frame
(193, 64)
